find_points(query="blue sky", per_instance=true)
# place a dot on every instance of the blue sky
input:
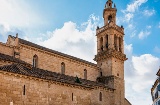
(69, 26)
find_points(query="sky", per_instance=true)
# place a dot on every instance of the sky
(69, 26)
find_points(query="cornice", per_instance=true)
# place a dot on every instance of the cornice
(110, 53)
(106, 27)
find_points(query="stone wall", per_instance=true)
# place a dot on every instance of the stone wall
(52, 62)
(6, 49)
(22, 90)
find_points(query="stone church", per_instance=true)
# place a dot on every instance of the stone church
(31, 74)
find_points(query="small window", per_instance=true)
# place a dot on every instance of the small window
(118, 74)
(35, 61)
(100, 96)
(62, 68)
(85, 74)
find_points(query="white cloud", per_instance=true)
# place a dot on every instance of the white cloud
(135, 5)
(144, 63)
(159, 25)
(144, 34)
(131, 8)
(140, 74)
(18, 17)
(157, 49)
(149, 27)
(79, 41)
(18, 14)
(128, 17)
(133, 34)
(149, 12)
(4, 28)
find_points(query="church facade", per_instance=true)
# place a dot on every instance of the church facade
(31, 74)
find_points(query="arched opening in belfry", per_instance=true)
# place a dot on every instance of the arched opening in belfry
(35, 61)
(101, 43)
(107, 44)
(109, 4)
(115, 42)
(62, 68)
(120, 44)
(109, 18)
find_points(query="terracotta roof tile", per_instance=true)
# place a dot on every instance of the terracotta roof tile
(11, 58)
(48, 75)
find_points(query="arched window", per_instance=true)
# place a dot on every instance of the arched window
(107, 44)
(35, 61)
(101, 43)
(100, 96)
(85, 74)
(62, 68)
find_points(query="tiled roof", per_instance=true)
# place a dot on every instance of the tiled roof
(11, 58)
(48, 75)
(22, 41)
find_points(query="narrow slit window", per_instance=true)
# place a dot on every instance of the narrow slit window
(35, 61)
(72, 96)
(107, 41)
(100, 96)
(85, 74)
(62, 68)
(101, 73)
(24, 90)
(115, 42)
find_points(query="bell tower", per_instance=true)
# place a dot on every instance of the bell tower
(110, 46)
(110, 52)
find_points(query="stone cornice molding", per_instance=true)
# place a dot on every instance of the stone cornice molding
(106, 27)
(110, 53)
